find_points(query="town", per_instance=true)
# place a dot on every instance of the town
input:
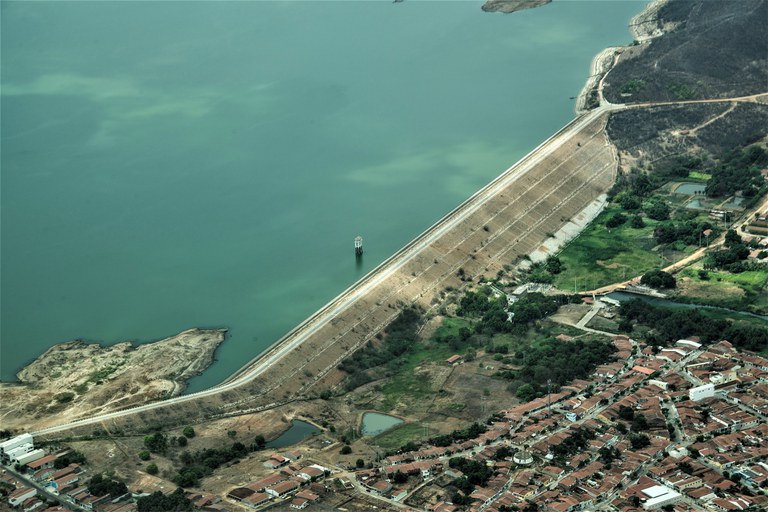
(682, 427)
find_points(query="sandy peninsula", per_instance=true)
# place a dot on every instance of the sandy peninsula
(76, 378)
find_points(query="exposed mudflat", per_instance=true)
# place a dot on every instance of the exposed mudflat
(74, 379)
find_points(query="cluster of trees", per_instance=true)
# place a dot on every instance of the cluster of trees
(101, 485)
(475, 473)
(608, 454)
(689, 232)
(400, 338)
(459, 435)
(732, 258)
(159, 502)
(72, 457)
(527, 309)
(674, 324)
(156, 443)
(639, 441)
(202, 462)
(574, 443)
(560, 362)
(739, 170)
(658, 279)
(638, 420)
(545, 272)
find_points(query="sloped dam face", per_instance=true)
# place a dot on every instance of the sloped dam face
(513, 216)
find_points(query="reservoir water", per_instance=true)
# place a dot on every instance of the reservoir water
(175, 164)
(375, 423)
(299, 431)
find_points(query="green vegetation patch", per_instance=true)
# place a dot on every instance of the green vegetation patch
(742, 291)
(399, 436)
(601, 256)
(699, 176)
(673, 324)
(408, 382)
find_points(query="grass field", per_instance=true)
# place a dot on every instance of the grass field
(398, 436)
(451, 326)
(408, 382)
(601, 256)
(736, 291)
(699, 176)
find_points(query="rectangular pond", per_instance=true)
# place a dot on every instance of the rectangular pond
(375, 423)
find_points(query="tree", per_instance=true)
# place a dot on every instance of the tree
(156, 443)
(626, 413)
(616, 220)
(657, 210)
(732, 238)
(346, 450)
(159, 502)
(526, 393)
(399, 477)
(360, 463)
(554, 265)
(144, 455)
(259, 441)
(188, 432)
(639, 423)
(182, 441)
(639, 441)
(637, 222)
(73, 457)
(152, 468)
(101, 485)
(658, 279)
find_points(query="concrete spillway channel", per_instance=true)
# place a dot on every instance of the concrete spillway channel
(509, 218)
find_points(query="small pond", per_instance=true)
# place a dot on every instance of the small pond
(688, 189)
(695, 204)
(734, 203)
(299, 431)
(375, 423)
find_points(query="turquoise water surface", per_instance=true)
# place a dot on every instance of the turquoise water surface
(175, 164)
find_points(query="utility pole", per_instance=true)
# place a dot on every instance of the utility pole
(549, 395)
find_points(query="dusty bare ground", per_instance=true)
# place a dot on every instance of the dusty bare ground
(511, 223)
(74, 379)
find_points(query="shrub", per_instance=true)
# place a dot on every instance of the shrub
(658, 279)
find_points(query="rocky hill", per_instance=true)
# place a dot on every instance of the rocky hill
(711, 49)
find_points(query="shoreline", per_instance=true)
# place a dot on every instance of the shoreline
(606, 59)
(648, 15)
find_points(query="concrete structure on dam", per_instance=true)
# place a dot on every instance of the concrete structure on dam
(513, 216)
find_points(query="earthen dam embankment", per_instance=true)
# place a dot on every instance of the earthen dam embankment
(511, 217)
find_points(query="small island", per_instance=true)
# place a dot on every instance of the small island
(508, 6)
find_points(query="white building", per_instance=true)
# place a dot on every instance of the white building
(19, 495)
(13, 455)
(701, 392)
(30, 457)
(660, 495)
(688, 343)
(14, 443)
